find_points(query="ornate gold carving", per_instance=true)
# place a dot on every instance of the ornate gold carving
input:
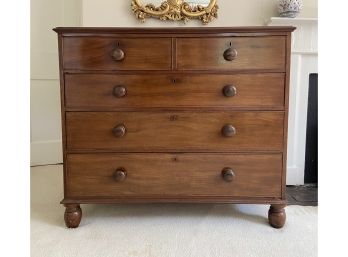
(175, 10)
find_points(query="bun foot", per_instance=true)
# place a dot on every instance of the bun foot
(72, 215)
(277, 215)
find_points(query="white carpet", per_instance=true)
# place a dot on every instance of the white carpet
(164, 230)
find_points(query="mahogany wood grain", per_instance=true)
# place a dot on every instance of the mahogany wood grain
(62, 105)
(175, 131)
(96, 91)
(159, 32)
(253, 53)
(96, 53)
(277, 215)
(174, 90)
(188, 199)
(286, 119)
(72, 215)
(92, 175)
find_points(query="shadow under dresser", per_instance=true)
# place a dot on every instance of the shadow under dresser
(194, 115)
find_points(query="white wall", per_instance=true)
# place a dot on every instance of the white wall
(117, 13)
(46, 144)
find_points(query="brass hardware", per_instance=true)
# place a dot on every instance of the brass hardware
(175, 10)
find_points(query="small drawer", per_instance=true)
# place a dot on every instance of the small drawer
(173, 175)
(175, 131)
(231, 53)
(103, 53)
(98, 91)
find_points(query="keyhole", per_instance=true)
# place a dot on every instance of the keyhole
(173, 117)
(230, 43)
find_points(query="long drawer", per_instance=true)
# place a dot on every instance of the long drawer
(102, 91)
(173, 175)
(175, 131)
(231, 53)
(109, 53)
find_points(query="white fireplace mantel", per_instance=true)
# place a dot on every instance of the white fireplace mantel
(304, 61)
(305, 37)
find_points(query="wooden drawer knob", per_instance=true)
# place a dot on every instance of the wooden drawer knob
(118, 54)
(119, 91)
(119, 130)
(120, 174)
(228, 174)
(230, 54)
(229, 91)
(228, 130)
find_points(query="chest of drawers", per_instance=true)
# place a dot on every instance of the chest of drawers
(174, 115)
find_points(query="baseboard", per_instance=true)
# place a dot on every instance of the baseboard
(294, 176)
(46, 152)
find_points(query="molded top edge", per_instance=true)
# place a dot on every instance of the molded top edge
(190, 30)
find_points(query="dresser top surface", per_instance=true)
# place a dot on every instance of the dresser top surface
(187, 30)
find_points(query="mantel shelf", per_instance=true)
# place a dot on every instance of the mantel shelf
(305, 37)
(293, 21)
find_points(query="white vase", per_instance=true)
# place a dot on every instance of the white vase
(289, 8)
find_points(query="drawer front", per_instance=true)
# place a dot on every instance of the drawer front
(174, 131)
(173, 175)
(114, 91)
(94, 53)
(234, 53)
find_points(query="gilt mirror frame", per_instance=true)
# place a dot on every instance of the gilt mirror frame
(176, 10)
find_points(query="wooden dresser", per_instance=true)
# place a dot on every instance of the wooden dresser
(174, 115)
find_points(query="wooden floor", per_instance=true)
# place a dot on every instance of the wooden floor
(306, 195)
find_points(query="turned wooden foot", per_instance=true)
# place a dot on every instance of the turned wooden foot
(72, 215)
(277, 215)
